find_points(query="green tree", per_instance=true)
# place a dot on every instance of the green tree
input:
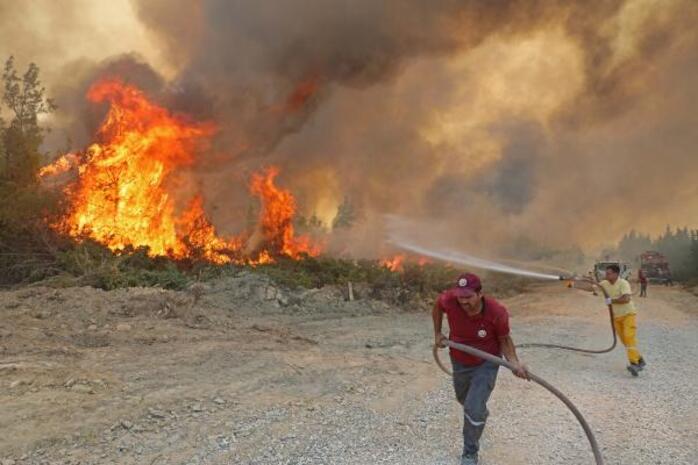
(632, 245)
(25, 100)
(346, 215)
(676, 247)
(692, 262)
(315, 223)
(25, 240)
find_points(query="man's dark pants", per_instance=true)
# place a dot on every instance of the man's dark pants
(473, 386)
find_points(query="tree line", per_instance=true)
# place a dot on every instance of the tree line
(678, 245)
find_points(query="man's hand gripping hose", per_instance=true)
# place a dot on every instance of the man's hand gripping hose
(532, 377)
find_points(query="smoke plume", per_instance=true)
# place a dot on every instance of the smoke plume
(564, 122)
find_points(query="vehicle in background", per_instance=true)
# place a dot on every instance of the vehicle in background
(656, 267)
(600, 269)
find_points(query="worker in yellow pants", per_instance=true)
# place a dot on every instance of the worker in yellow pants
(626, 328)
(624, 312)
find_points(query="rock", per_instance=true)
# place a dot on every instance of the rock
(17, 383)
(82, 389)
(138, 428)
(271, 293)
(42, 314)
(282, 299)
(197, 290)
(56, 296)
(258, 293)
(7, 462)
(145, 301)
(196, 408)
(123, 327)
(219, 401)
(92, 327)
(156, 413)
(126, 424)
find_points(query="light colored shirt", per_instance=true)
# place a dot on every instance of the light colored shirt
(616, 291)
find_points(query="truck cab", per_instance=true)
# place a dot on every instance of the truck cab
(656, 267)
(600, 269)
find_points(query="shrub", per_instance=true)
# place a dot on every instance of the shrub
(92, 264)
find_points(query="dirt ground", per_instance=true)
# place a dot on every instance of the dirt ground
(250, 374)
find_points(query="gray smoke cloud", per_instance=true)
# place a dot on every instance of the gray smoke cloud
(563, 122)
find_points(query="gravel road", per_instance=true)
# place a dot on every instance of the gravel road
(352, 385)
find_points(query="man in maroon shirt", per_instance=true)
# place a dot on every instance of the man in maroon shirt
(481, 322)
(642, 277)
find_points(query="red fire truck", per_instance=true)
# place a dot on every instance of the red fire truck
(656, 267)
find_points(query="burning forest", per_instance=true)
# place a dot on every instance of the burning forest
(236, 133)
(230, 231)
(125, 190)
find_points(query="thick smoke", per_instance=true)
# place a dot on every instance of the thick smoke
(563, 122)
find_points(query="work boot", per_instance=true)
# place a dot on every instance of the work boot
(642, 363)
(468, 459)
(634, 369)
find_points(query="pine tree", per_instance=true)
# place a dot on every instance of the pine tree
(25, 204)
(24, 97)
(692, 268)
(346, 215)
(315, 223)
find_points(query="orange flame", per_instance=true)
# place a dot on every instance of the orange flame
(200, 238)
(393, 264)
(121, 197)
(123, 193)
(61, 165)
(276, 217)
(397, 262)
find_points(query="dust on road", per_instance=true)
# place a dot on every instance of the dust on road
(251, 374)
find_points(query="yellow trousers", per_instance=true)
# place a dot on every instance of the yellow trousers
(626, 328)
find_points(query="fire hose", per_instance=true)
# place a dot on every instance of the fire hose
(537, 379)
(576, 349)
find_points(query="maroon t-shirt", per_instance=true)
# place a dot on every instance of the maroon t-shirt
(643, 277)
(481, 331)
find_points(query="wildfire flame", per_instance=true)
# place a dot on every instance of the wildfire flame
(276, 218)
(393, 264)
(397, 262)
(201, 240)
(123, 193)
(61, 165)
